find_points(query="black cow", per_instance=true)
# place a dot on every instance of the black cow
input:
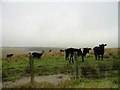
(9, 55)
(85, 51)
(99, 51)
(70, 51)
(62, 50)
(37, 55)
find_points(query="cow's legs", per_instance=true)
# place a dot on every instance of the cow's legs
(66, 56)
(82, 58)
(102, 57)
(71, 58)
(96, 56)
(38, 57)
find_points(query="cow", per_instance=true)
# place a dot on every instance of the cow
(62, 50)
(70, 51)
(85, 51)
(9, 55)
(37, 55)
(99, 51)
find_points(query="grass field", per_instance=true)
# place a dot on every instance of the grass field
(92, 73)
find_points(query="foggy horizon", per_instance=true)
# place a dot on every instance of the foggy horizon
(59, 24)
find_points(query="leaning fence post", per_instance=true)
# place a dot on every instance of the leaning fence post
(31, 68)
(76, 64)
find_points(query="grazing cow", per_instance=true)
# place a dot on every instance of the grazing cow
(37, 55)
(9, 55)
(62, 50)
(70, 52)
(99, 51)
(85, 51)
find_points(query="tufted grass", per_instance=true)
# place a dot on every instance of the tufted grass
(92, 73)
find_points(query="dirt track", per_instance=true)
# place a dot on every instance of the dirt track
(55, 79)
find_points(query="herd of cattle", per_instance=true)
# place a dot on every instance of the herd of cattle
(98, 52)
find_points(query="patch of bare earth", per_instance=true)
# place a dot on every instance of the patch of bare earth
(55, 79)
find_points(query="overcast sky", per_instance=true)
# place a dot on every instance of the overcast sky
(59, 24)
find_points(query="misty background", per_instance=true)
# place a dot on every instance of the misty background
(59, 24)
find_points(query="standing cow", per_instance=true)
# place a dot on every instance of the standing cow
(62, 50)
(99, 51)
(37, 55)
(9, 55)
(85, 51)
(70, 51)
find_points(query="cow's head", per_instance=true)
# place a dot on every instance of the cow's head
(102, 45)
(79, 52)
(86, 50)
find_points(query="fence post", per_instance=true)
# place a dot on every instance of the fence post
(31, 68)
(76, 64)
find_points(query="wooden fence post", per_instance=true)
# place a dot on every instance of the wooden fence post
(76, 64)
(31, 68)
